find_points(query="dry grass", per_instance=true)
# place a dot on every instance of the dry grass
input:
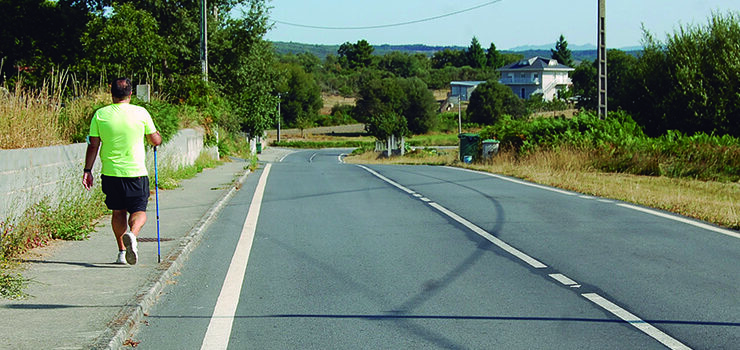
(331, 100)
(29, 119)
(714, 202)
(36, 118)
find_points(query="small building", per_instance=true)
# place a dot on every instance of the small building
(463, 89)
(536, 75)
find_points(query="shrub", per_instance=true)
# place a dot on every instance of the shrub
(618, 144)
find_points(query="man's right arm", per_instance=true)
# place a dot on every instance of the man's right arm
(92, 152)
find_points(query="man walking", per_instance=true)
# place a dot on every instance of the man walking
(118, 130)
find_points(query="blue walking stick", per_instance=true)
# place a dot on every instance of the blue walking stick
(156, 197)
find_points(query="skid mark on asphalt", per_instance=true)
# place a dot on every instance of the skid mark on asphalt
(595, 298)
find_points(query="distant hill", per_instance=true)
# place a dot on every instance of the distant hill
(580, 52)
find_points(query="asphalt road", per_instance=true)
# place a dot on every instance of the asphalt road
(340, 256)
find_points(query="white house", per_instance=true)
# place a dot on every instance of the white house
(536, 75)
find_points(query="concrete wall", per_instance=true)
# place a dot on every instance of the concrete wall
(29, 175)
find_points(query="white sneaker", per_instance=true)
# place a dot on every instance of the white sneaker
(129, 240)
(121, 258)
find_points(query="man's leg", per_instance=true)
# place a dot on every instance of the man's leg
(118, 222)
(136, 221)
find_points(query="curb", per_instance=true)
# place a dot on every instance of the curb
(119, 329)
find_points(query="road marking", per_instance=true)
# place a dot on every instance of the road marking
(310, 160)
(692, 222)
(483, 233)
(683, 220)
(219, 329)
(521, 182)
(636, 322)
(563, 279)
(491, 238)
(396, 184)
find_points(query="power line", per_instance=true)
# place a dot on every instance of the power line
(389, 25)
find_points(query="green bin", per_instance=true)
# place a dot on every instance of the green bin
(469, 147)
(259, 147)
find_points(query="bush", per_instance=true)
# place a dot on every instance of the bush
(166, 117)
(618, 144)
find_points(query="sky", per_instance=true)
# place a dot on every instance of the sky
(506, 23)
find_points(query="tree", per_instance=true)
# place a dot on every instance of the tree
(37, 36)
(407, 97)
(243, 63)
(383, 126)
(301, 97)
(494, 58)
(418, 106)
(475, 55)
(357, 55)
(401, 64)
(491, 100)
(561, 53)
(691, 82)
(109, 48)
(584, 85)
(448, 58)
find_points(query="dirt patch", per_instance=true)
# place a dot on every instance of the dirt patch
(331, 100)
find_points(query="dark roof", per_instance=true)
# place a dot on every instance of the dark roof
(536, 63)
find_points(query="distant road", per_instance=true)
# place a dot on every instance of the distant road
(326, 255)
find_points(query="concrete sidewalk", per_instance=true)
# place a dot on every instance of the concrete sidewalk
(81, 300)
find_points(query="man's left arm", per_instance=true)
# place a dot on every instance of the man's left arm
(154, 138)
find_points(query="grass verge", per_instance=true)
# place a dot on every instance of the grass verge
(714, 202)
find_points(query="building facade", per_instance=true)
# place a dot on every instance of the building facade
(536, 75)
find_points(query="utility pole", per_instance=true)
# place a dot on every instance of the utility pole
(204, 39)
(602, 59)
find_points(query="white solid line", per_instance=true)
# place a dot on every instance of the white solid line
(525, 183)
(219, 329)
(636, 322)
(683, 220)
(563, 279)
(310, 160)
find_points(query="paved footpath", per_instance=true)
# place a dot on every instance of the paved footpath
(81, 300)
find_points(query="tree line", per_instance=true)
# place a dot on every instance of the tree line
(687, 83)
(150, 41)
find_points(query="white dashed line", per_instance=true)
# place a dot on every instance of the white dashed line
(483, 233)
(636, 322)
(563, 279)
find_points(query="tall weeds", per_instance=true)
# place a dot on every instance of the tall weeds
(30, 118)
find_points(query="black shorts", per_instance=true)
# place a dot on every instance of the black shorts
(129, 193)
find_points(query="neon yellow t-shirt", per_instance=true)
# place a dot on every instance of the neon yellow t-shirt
(121, 128)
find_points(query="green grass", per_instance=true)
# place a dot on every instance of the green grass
(433, 140)
(169, 177)
(12, 286)
(321, 144)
